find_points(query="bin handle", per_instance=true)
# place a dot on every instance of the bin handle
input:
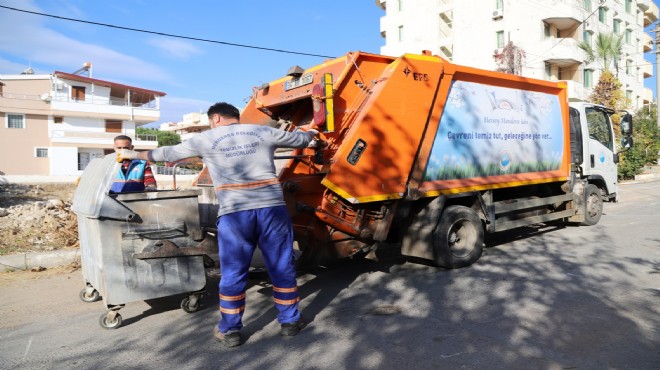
(185, 161)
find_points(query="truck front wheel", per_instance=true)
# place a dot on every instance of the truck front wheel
(593, 205)
(458, 238)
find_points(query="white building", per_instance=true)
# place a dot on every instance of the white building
(469, 32)
(54, 124)
(192, 124)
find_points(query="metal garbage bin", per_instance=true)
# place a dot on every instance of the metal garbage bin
(138, 246)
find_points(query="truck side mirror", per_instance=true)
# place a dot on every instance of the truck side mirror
(626, 141)
(626, 125)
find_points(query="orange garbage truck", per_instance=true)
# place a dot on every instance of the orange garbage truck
(427, 155)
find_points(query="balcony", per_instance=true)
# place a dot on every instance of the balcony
(104, 107)
(576, 90)
(650, 15)
(565, 19)
(647, 69)
(643, 4)
(447, 51)
(647, 42)
(382, 4)
(383, 26)
(562, 52)
(99, 138)
(25, 103)
(647, 95)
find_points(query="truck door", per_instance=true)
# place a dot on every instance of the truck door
(600, 160)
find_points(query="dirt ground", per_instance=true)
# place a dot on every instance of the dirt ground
(37, 217)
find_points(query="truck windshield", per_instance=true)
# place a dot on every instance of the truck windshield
(598, 123)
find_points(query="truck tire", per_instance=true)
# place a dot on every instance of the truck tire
(458, 238)
(593, 205)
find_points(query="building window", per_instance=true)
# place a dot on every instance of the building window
(602, 14)
(15, 121)
(586, 35)
(548, 71)
(78, 93)
(58, 119)
(587, 5)
(400, 33)
(628, 67)
(546, 30)
(588, 78)
(113, 126)
(616, 26)
(400, 5)
(629, 95)
(500, 39)
(499, 4)
(628, 37)
(41, 152)
(628, 6)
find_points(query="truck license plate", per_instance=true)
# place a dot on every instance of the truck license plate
(297, 82)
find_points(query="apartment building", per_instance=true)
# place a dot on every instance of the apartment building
(54, 124)
(192, 124)
(469, 32)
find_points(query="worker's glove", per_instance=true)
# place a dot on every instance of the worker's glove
(317, 144)
(124, 154)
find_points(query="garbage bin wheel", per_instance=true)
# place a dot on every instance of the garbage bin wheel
(190, 305)
(87, 297)
(107, 323)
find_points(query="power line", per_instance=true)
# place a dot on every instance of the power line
(166, 34)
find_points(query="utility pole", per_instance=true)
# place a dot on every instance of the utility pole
(657, 78)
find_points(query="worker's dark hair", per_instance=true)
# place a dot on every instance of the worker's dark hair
(225, 110)
(123, 137)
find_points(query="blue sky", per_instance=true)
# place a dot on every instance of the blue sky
(193, 74)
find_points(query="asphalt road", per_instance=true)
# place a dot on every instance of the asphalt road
(539, 298)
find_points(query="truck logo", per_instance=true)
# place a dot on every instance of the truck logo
(505, 161)
(416, 76)
(502, 103)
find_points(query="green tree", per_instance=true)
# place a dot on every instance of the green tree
(646, 137)
(607, 49)
(164, 138)
(608, 92)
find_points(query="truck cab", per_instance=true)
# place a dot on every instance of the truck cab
(595, 153)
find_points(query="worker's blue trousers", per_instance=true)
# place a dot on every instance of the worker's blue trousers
(238, 235)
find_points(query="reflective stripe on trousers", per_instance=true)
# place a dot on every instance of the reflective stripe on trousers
(238, 235)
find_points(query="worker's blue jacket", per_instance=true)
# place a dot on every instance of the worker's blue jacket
(132, 180)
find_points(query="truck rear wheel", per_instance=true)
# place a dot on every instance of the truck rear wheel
(458, 238)
(593, 205)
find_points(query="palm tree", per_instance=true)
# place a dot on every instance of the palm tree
(608, 48)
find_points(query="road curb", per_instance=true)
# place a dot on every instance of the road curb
(30, 260)
(647, 176)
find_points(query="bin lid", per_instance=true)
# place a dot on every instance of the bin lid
(94, 186)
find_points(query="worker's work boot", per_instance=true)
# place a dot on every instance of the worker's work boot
(231, 338)
(291, 329)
